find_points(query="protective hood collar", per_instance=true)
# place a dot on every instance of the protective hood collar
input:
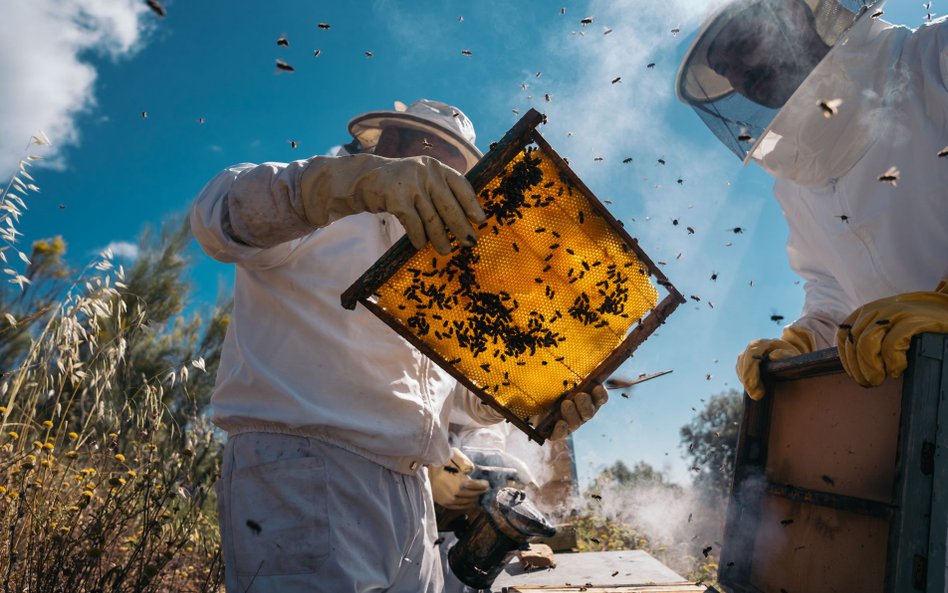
(805, 146)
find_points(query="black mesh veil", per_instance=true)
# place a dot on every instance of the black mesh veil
(738, 121)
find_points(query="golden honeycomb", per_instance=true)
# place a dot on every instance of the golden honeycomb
(547, 293)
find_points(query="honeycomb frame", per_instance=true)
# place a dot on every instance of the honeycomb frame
(505, 347)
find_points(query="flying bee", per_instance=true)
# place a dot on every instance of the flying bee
(323, 26)
(844, 218)
(943, 152)
(548, 97)
(776, 318)
(606, 31)
(876, 14)
(737, 230)
(316, 52)
(369, 54)
(714, 276)
(691, 230)
(598, 159)
(156, 7)
(466, 52)
(616, 79)
(661, 161)
(293, 143)
(675, 32)
(200, 120)
(650, 65)
(628, 160)
(282, 41)
(586, 21)
(281, 65)
(830, 107)
(144, 115)
(891, 175)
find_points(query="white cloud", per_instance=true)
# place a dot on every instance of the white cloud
(123, 250)
(46, 81)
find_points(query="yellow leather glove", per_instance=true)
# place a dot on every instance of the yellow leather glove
(425, 195)
(793, 342)
(452, 486)
(578, 409)
(873, 340)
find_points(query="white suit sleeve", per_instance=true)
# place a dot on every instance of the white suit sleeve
(824, 305)
(469, 409)
(250, 214)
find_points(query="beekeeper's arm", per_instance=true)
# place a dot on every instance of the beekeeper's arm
(823, 310)
(267, 205)
(873, 339)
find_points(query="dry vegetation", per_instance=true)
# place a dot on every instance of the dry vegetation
(107, 461)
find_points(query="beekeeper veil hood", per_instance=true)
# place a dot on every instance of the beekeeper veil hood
(751, 56)
(446, 122)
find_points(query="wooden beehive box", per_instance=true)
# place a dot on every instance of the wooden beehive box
(838, 487)
(552, 299)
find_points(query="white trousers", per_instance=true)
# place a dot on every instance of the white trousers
(298, 515)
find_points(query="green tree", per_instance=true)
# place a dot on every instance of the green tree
(710, 441)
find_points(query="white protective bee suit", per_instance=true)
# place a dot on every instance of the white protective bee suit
(331, 416)
(853, 238)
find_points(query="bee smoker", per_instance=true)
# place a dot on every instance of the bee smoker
(486, 542)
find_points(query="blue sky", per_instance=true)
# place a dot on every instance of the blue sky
(85, 75)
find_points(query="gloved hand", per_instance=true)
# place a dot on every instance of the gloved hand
(793, 342)
(452, 486)
(577, 410)
(873, 340)
(425, 195)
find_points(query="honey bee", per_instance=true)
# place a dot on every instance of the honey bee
(281, 65)
(156, 7)
(830, 107)
(891, 175)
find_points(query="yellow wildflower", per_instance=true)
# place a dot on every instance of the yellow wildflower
(72, 454)
(3, 490)
(49, 446)
(3, 410)
(88, 493)
(48, 423)
(13, 435)
(73, 435)
(120, 457)
(132, 473)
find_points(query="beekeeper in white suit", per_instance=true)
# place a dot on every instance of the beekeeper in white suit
(331, 417)
(850, 115)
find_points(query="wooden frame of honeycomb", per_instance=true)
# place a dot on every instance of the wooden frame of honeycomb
(554, 296)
